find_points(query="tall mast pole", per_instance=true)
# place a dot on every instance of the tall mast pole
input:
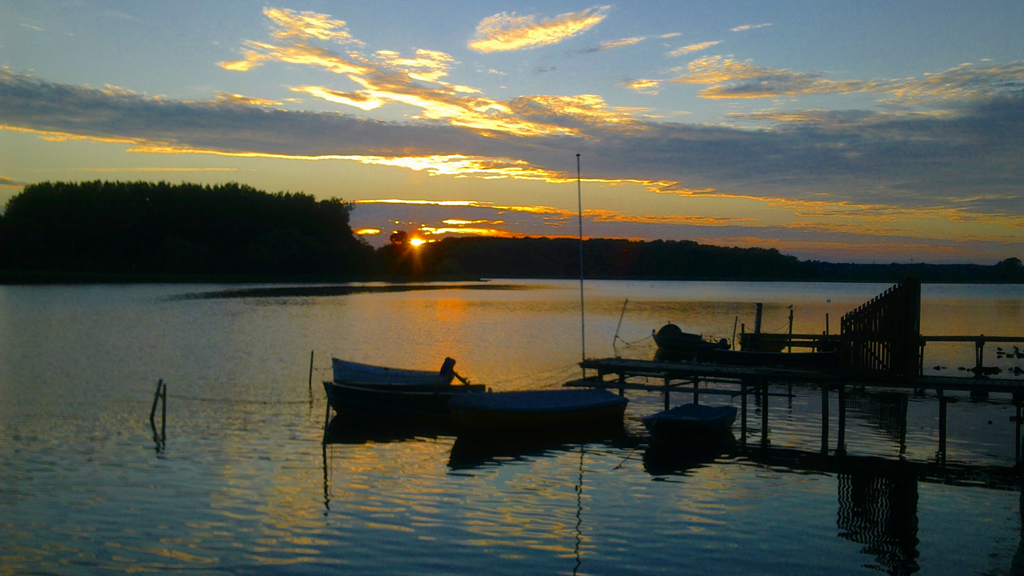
(583, 325)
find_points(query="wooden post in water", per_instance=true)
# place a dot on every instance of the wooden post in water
(942, 427)
(824, 420)
(696, 390)
(156, 398)
(743, 412)
(790, 339)
(667, 404)
(1016, 402)
(163, 415)
(904, 404)
(311, 373)
(841, 440)
(764, 413)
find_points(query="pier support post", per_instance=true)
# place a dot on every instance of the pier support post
(743, 412)
(311, 375)
(904, 404)
(667, 402)
(1016, 435)
(696, 390)
(942, 427)
(841, 440)
(764, 414)
(824, 420)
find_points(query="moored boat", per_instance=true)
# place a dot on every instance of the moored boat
(691, 420)
(672, 340)
(535, 410)
(395, 394)
(365, 374)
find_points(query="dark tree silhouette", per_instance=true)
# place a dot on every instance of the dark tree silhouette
(141, 228)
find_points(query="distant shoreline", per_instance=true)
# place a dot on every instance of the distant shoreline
(18, 278)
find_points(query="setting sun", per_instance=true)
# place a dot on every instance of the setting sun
(417, 242)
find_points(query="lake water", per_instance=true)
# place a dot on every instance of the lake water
(243, 485)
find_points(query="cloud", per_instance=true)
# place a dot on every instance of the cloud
(692, 48)
(240, 100)
(504, 32)
(612, 44)
(643, 85)
(307, 25)
(967, 157)
(746, 27)
(257, 53)
(6, 182)
(389, 78)
(731, 79)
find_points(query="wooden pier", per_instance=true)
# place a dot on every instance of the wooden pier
(880, 346)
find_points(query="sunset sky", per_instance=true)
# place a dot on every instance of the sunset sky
(843, 131)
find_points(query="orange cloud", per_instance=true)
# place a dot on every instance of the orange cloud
(692, 48)
(307, 25)
(240, 100)
(504, 32)
(746, 27)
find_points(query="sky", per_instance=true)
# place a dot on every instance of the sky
(841, 131)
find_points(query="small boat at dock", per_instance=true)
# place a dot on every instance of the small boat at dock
(347, 372)
(672, 340)
(691, 420)
(535, 410)
(395, 394)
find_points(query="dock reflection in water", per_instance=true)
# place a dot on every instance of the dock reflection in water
(243, 485)
(476, 450)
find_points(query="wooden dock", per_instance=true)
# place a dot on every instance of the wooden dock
(880, 348)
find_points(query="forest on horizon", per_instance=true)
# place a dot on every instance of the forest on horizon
(160, 232)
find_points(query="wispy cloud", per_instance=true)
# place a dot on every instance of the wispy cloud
(746, 27)
(643, 85)
(387, 77)
(6, 182)
(240, 100)
(308, 25)
(293, 28)
(609, 44)
(693, 48)
(952, 164)
(504, 32)
(155, 169)
(734, 79)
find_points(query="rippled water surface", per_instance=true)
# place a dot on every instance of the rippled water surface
(243, 484)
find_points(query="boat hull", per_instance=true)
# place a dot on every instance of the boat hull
(396, 403)
(536, 410)
(691, 420)
(346, 372)
(671, 340)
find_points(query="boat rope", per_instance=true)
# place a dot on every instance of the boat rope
(634, 343)
(628, 457)
(234, 401)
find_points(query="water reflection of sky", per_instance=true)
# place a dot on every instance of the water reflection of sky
(242, 487)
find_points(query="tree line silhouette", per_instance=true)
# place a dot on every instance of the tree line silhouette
(188, 230)
(142, 231)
